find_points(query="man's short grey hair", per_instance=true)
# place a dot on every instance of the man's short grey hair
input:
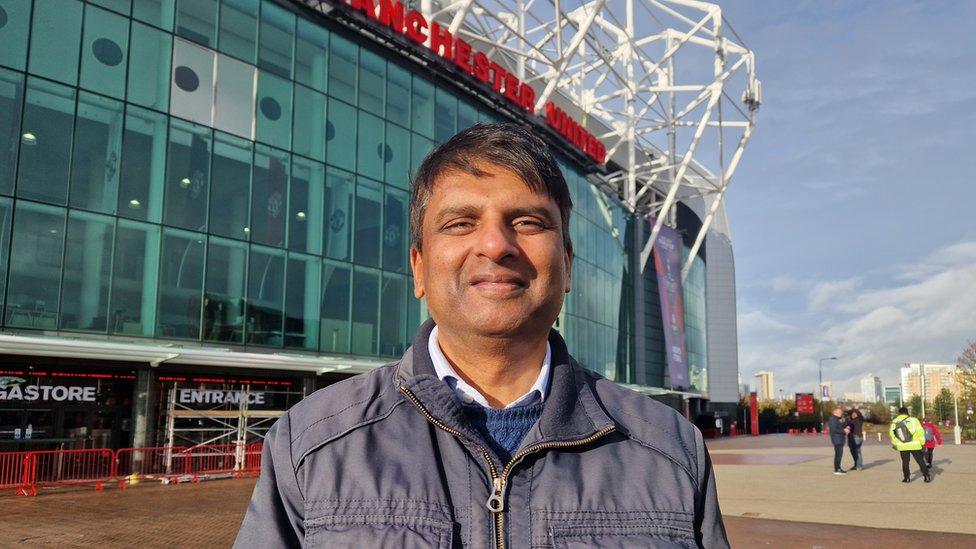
(506, 144)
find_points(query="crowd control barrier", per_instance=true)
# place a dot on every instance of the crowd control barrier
(25, 472)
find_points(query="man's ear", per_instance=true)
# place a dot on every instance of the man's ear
(568, 260)
(417, 266)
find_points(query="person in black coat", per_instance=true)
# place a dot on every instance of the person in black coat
(838, 436)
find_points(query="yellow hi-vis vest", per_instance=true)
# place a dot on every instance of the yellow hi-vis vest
(915, 427)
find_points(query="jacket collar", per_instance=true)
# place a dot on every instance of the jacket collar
(571, 411)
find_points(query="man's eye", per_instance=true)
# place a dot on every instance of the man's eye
(529, 225)
(458, 226)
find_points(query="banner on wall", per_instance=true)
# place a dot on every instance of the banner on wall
(667, 263)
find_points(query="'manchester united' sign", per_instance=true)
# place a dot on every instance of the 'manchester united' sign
(413, 24)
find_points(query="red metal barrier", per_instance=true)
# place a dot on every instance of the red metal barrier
(27, 471)
(64, 467)
(14, 468)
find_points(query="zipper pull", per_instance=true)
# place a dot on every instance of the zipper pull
(496, 503)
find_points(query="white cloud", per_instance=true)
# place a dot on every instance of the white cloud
(926, 315)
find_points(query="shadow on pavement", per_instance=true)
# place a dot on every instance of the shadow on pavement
(877, 463)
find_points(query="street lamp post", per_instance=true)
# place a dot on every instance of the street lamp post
(956, 429)
(820, 389)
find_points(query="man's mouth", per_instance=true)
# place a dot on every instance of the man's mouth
(498, 283)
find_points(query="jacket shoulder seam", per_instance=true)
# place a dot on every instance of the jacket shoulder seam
(651, 446)
(333, 436)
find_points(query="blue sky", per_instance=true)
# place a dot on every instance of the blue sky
(853, 213)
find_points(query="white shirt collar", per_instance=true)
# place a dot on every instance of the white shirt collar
(468, 394)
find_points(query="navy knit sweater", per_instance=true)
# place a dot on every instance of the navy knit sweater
(503, 429)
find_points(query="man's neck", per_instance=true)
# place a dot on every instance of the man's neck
(501, 369)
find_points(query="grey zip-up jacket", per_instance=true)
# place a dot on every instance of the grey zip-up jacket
(386, 459)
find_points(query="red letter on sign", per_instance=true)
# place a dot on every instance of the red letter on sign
(511, 88)
(365, 6)
(440, 37)
(415, 27)
(527, 97)
(481, 67)
(391, 15)
(497, 76)
(462, 55)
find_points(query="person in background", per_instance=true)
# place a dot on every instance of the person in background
(838, 436)
(933, 438)
(855, 438)
(908, 437)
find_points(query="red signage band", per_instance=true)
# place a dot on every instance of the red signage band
(413, 24)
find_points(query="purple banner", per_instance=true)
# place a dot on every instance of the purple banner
(667, 263)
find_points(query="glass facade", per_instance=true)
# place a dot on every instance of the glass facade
(693, 293)
(224, 171)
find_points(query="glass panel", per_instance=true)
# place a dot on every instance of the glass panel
(368, 219)
(239, 28)
(274, 110)
(143, 165)
(103, 52)
(395, 232)
(393, 321)
(55, 40)
(398, 95)
(419, 147)
(197, 20)
(180, 284)
(340, 132)
(305, 196)
(339, 197)
(265, 291)
(372, 149)
(155, 12)
(336, 289)
(311, 59)
(416, 314)
(422, 107)
(35, 267)
(343, 68)
(467, 115)
(135, 273)
(223, 301)
(308, 133)
(11, 103)
(397, 156)
(365, 325)
(6, 215)
(192, 90)
(187, 176)
(445, 116)
(230, 186)
(121, 6)
(15, 15)
(234, 104)
(302, 289)
(372, 82)
(46, 142)
(87, 268)
(277, 39)
(95, 159)
(269, 183)
(149, 55)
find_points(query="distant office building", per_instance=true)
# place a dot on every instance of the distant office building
(764, 385)
(892, 395)
(936, 377)
(854, 397)
(871, 388)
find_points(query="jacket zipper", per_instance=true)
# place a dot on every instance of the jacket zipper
(496, 502)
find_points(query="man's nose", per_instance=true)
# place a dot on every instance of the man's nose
(496, 241)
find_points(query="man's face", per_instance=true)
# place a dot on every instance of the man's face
(838, 412)
(493, 262)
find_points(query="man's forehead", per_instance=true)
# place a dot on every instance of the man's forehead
(457, 185)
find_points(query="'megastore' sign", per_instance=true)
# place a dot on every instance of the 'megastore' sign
(413, 24)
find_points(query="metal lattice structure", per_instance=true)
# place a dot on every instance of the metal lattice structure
(659, 82)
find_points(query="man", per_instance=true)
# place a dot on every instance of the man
(838, 436)
(486, 433)
(933, 438)
(908, 437)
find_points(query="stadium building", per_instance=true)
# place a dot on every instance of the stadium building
(203, 204)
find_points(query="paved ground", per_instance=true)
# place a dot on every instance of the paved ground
(790, 478)
(775, 492)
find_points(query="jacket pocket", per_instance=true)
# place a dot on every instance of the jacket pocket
(616, 529)
(378, 524)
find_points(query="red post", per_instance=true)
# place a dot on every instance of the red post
(754, 414)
